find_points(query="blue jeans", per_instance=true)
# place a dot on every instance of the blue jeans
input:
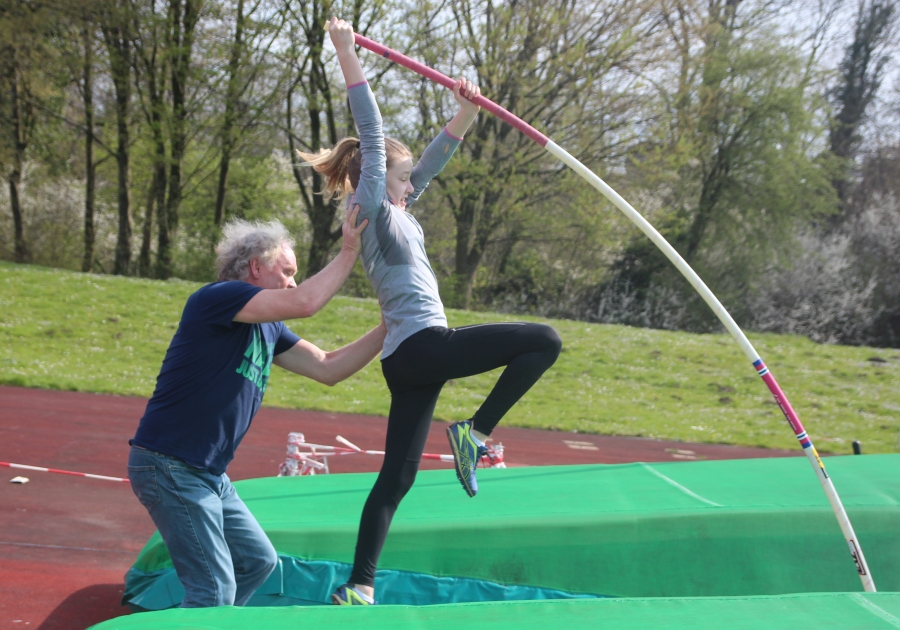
(220, 552)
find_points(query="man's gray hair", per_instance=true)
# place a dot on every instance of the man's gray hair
(243, 241)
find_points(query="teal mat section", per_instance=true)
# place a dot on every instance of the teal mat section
(683, 529)
(297, 582)
(832, 611)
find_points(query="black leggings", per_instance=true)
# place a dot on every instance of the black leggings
(415, 374)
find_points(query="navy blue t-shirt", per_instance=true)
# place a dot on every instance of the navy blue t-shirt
(212, 380)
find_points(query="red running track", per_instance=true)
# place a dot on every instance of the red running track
(66, 542)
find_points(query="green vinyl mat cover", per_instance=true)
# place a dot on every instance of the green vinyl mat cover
(683, 529)
(822, 611)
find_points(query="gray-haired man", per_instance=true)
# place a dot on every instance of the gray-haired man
(209, 388)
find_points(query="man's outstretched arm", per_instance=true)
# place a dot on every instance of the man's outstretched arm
(333, 367)
(305, 300)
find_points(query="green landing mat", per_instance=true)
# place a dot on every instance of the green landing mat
(822, 611)
(681, 529)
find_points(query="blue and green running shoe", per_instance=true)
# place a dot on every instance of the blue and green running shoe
(346, 595)
(466, 453)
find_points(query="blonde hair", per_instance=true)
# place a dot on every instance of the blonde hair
(242, 241)
(342, 165)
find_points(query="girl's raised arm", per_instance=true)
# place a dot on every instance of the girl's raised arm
(441, 149)
(371, 188)
(344, 43)
(464, 92)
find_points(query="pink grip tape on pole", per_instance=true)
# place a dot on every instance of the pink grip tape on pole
(447, 82)
(676, 259)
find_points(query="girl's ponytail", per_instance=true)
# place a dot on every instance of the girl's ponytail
(339, 165)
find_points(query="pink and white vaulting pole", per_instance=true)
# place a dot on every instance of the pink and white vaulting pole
(682, 266)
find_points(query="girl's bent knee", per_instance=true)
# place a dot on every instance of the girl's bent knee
(550, 340)
(393, 484)
(406, 480)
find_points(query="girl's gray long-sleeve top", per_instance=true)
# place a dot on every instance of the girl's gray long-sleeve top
(393, 245)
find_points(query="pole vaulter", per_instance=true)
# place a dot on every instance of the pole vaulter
(682, 266)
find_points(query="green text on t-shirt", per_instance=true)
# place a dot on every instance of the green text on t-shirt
(257, 362)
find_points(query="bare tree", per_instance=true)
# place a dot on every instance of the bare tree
(21, 121)
(183, 17)
(252, 41)
(151, 75)
(731, 157)
(116, 28)
(231, 97)
(323, 107)
(861, 72)
(164, 39)
(561, 65)
(87, 90)
(21, 43)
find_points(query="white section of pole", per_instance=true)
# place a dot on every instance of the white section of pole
(843, 520)
(708, 296)
(725, 317)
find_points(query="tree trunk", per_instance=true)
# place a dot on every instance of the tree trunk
(22, 255)
(183, 20)
(228, 123)
(324, 236)
(472, 236)
(316, 86)
(151, 71)
(862, 70)
(465, 223)
(87, 262)
(147, 232)
(118, 42)
(222, 186)
(717, 42)
(123, 171)
(477, 216)
(157, 107)
(706, 208)
(321, 214)
(163, 242)
(21, 251)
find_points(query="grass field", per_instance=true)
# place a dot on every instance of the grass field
(73, 331)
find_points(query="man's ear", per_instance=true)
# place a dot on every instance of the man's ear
(255, 268)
